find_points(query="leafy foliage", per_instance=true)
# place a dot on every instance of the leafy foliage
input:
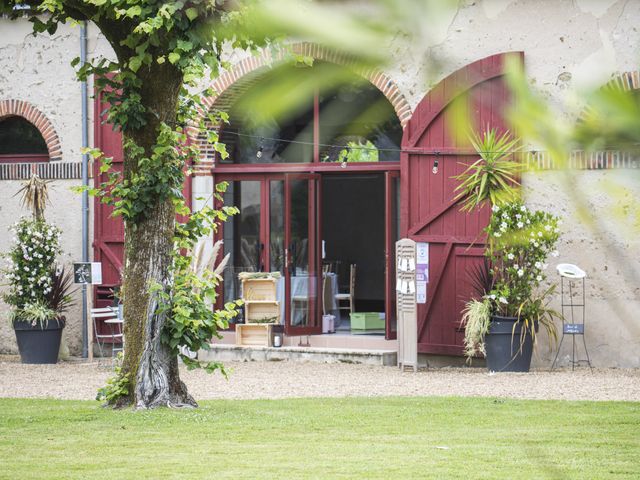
(192, 321)
(491, 178)
(476, 317)
(117, 387)
(31, 271)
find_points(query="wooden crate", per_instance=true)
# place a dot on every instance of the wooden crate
(366, 321)
(256, 311)
(259, 289)
(254, 334)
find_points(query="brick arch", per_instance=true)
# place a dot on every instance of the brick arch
(377, 78)
(30, 113)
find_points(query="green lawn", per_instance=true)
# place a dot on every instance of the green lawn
(323, 438)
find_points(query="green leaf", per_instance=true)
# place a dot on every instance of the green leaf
(174, 57)
(191, 13)
(135, 63)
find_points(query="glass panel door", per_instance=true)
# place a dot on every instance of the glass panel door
(392, 231)
(243, 235)
(301, 256)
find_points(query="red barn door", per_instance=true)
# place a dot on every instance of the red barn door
(429, 211)
(108, 243)
(108, 231)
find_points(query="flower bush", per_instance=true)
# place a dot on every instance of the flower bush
(31, 270)
(520, 241)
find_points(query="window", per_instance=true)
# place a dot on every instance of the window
(21, 141)
(351, 118)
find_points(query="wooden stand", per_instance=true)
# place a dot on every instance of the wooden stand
(254, 334)
(261, 312)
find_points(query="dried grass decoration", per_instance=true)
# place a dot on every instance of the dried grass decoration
(35, 195)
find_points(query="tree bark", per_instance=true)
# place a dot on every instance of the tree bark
(151, 366)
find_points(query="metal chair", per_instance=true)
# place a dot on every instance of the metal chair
(108, 316)
(348, 297)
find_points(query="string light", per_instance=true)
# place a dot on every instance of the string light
(358, 147)
(434, 170)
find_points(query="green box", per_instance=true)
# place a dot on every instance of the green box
(367, 321)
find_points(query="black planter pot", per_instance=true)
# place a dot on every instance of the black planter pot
(38, 344)
(502, 344)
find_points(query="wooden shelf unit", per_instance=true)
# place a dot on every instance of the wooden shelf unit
(254, 334)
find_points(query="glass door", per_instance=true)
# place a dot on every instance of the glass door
(301, 255)
(392, 231)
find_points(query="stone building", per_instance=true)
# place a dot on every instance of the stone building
(563, 45)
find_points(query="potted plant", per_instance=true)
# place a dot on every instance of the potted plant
(503, 319)
(39, 292)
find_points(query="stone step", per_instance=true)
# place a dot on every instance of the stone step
(240, 353)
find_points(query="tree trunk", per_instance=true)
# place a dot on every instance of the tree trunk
(151, 366)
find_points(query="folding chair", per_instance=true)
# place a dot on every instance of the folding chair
(109, 317)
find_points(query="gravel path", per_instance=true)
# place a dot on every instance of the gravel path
(79, 380)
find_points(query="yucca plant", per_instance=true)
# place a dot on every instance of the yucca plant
(493, 177)
(34, 196)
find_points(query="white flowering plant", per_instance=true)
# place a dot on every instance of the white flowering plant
(33, 279)
(519, 242)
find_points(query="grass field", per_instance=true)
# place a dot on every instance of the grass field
(323, 438)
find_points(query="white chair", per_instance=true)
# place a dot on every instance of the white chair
(349, 296)
(108, 316)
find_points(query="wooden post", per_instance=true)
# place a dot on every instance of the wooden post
(407, 312)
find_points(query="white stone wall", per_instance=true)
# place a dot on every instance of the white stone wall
(65, 212)
(600, 235)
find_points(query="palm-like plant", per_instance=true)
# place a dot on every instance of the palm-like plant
(35, 195)
(493, 176)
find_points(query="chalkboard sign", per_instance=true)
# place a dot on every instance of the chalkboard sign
(87, 273)
(574, 328)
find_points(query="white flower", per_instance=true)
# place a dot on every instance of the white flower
(503, 226)
(538, 264)
(527, 221)
(518, 216)
(497, 234)
(503, 300)
(492, 297)
(26, 269)
(505, 215)
(523, 208)
(495, 208)
(555, 253)
(510, 256)
(539, 234)
(536, 244)
(516, 266)
(539, 278)
(547, 228)
(520, 272)
(520, 224)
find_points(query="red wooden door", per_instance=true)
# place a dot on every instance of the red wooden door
(108, 234)
(429, 211)
(108, 231)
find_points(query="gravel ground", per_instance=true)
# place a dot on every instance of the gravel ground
(80, 380)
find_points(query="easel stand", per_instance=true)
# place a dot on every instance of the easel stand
(574, 328)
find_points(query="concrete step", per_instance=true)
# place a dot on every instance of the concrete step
(240, 353)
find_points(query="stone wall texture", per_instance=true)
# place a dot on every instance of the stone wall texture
(568, 45)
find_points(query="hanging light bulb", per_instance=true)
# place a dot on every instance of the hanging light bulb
(434, 170)
(259, 152)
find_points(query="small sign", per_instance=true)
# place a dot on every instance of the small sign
(573, 328)
(422, 273)
(87, 273)
(421, 292)
(422, 253)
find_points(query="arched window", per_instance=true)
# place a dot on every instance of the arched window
(21, 141)
(349, 120)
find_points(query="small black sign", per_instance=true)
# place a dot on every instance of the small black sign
(87, 273)
(574, 328)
